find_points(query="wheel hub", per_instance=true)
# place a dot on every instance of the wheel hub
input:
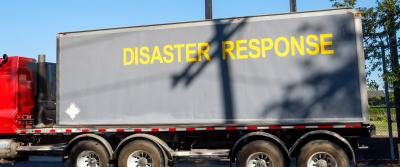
(259, 159)
(322, 163)
(88, 159)
(142, 162)
(261, 163)
(322, 159)
(140, 159)
(92, 162)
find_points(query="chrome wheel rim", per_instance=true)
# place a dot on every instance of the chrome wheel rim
(259, 159)
(140, 159)
(88, 159)
(321, 159)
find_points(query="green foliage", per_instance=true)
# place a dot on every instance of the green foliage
(391, 98)
(372, 85)
(344, 3)
(376, 101)
(378, 118)
(376, 21)
(380, 28)
(379, 114)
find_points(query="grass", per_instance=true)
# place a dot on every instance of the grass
(379, 119)
(382, 128)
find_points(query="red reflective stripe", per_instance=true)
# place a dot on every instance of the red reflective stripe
(252, 127)
(190, 129)
(210, 128)
(275, 127)
(299, 127)
(353, 125)
(325, 126)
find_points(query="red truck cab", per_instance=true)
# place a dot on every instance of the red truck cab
(16, 94)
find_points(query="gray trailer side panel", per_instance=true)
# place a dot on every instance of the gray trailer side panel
(97, 88)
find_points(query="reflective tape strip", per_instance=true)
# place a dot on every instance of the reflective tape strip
(190, 129)
(287, 127)
(183, 129)
(311, 127)
(275, 127)
(325, 126)
(353, 126)
(251, 127)
(201, 129)
(210, 129)
(299, 127)
(339, 126)
(219, 128)
(230, 128)
(262, 127)
(180, 129)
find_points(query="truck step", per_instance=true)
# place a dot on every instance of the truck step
(55, 148)
(202, 153)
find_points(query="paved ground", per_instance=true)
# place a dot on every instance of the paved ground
(59, 164)
(55, 162)
(378, 149)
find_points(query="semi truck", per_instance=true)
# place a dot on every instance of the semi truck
(257, 91)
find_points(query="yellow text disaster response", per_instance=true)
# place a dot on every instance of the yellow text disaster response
(255, 48)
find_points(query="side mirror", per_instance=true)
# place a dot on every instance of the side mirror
(4, 61)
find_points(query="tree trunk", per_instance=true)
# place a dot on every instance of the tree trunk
(394, 59)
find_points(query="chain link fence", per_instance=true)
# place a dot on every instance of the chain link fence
(379, 118)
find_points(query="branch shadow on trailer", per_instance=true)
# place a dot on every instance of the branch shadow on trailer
(327, 90)
(223, 31)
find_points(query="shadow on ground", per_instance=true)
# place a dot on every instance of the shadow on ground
(179, 164)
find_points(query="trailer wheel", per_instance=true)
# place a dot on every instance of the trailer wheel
(260, 153)
(322, 153)
(89, 153)
(140, 153)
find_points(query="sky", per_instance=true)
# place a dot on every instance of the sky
(29, 28)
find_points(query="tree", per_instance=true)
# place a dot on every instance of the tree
(372, 85)
(344, 3)
(380, 27)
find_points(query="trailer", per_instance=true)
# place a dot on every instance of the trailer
(257, 91)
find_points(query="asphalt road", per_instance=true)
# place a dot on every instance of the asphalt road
(41, 161)
(55, 163)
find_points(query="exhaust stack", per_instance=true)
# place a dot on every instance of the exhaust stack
(41, 87)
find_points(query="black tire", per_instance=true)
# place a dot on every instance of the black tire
(274, 154)
(322, 146)
(155, 154)
(88, 146)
